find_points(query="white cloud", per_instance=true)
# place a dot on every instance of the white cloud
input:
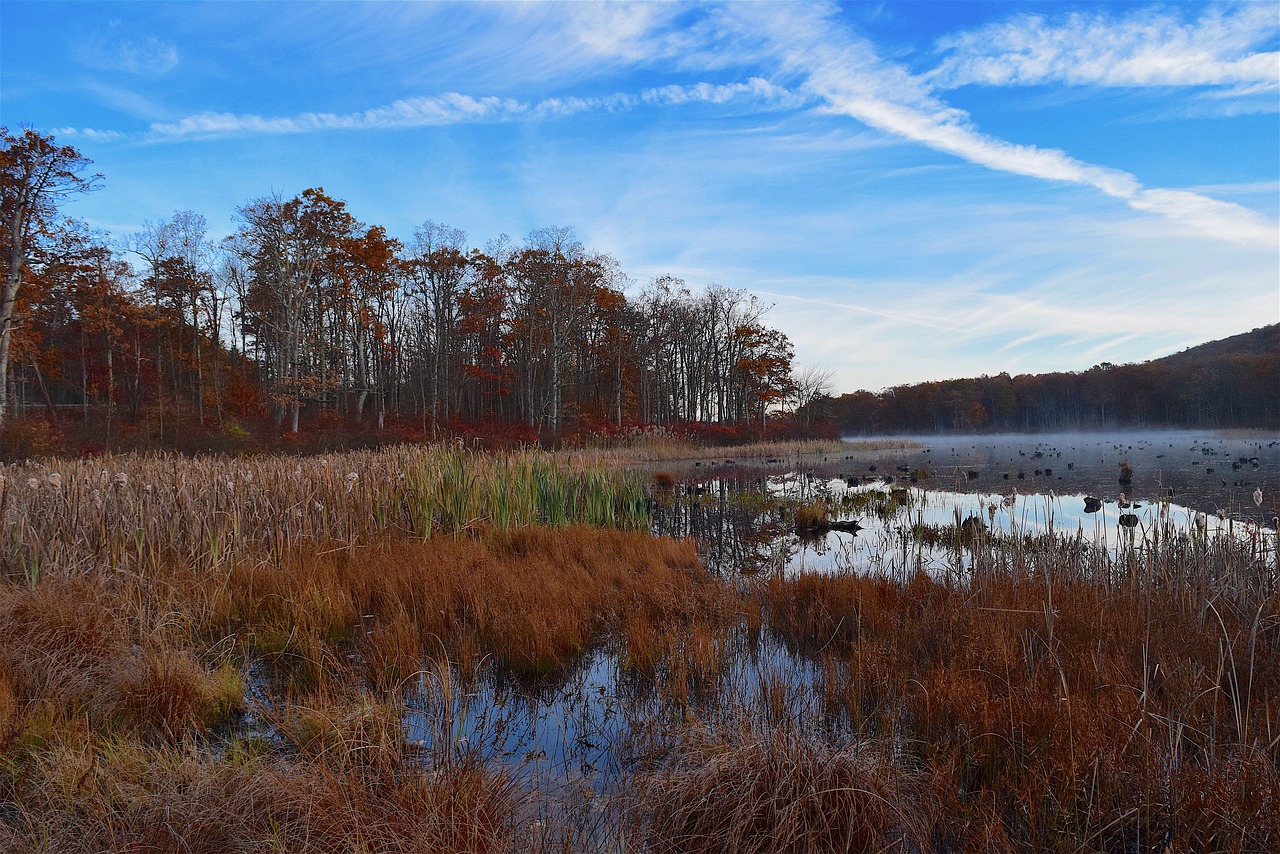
(144, 56)
(90, 134)
(1147, 47)
(846, 73)
(455, 108)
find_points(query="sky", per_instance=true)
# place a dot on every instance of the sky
(920, 190)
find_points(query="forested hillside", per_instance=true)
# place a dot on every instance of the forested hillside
(1227, 383)
(305, 315)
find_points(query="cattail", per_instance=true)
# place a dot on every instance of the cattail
(55, 480)
(121, 479)
(1257, 497)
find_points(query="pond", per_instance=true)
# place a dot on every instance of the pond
(1202, 471)
(907, 506)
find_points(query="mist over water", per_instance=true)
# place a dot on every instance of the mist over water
(1014, 485)
(1202, 471)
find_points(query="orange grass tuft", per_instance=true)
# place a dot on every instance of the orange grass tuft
(533, 599)
(125, 797)
(781, 792)
(1054, 715)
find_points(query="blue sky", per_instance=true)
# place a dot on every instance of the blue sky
(922, 190)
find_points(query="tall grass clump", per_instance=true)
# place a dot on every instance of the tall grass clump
(120, 795)
(148, 513)
(782, 791)
(532, 600)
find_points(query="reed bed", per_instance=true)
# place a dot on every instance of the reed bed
(1061, 702)
(650, 447)
(149, 513)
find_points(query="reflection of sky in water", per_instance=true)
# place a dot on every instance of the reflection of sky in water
(1205, 471)
(582, 732)
(884, 545)
(562, 733)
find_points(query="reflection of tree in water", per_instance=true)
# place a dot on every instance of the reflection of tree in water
(742, 525)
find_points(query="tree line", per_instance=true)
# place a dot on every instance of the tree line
(304, 310)
(1207, 387)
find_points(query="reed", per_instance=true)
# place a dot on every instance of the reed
(148, 514)
(657, 446)
(1059, 705)
(781, 791)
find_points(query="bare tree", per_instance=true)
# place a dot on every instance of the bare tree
(285, 245)
(440, 265)
(810, 383)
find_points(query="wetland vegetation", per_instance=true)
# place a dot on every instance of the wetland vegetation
(432, 648)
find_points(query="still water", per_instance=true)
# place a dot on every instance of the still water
(1205, 472)
(905, 501)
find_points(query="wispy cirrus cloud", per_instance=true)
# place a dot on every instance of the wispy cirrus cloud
(456, 108)
(144, 56)
(90, 134)
(1146, 47)
(845, 73)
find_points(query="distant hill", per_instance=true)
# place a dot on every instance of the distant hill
(1232, 382)
(1263, 341)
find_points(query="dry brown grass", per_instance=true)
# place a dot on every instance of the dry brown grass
(1061, 715)
(122, 796)
(782, 792)
(533, 600)
(81, 647)
(657, 447)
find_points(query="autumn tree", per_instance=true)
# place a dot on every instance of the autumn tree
(36, 176)
(365, 277)
(286, 245)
